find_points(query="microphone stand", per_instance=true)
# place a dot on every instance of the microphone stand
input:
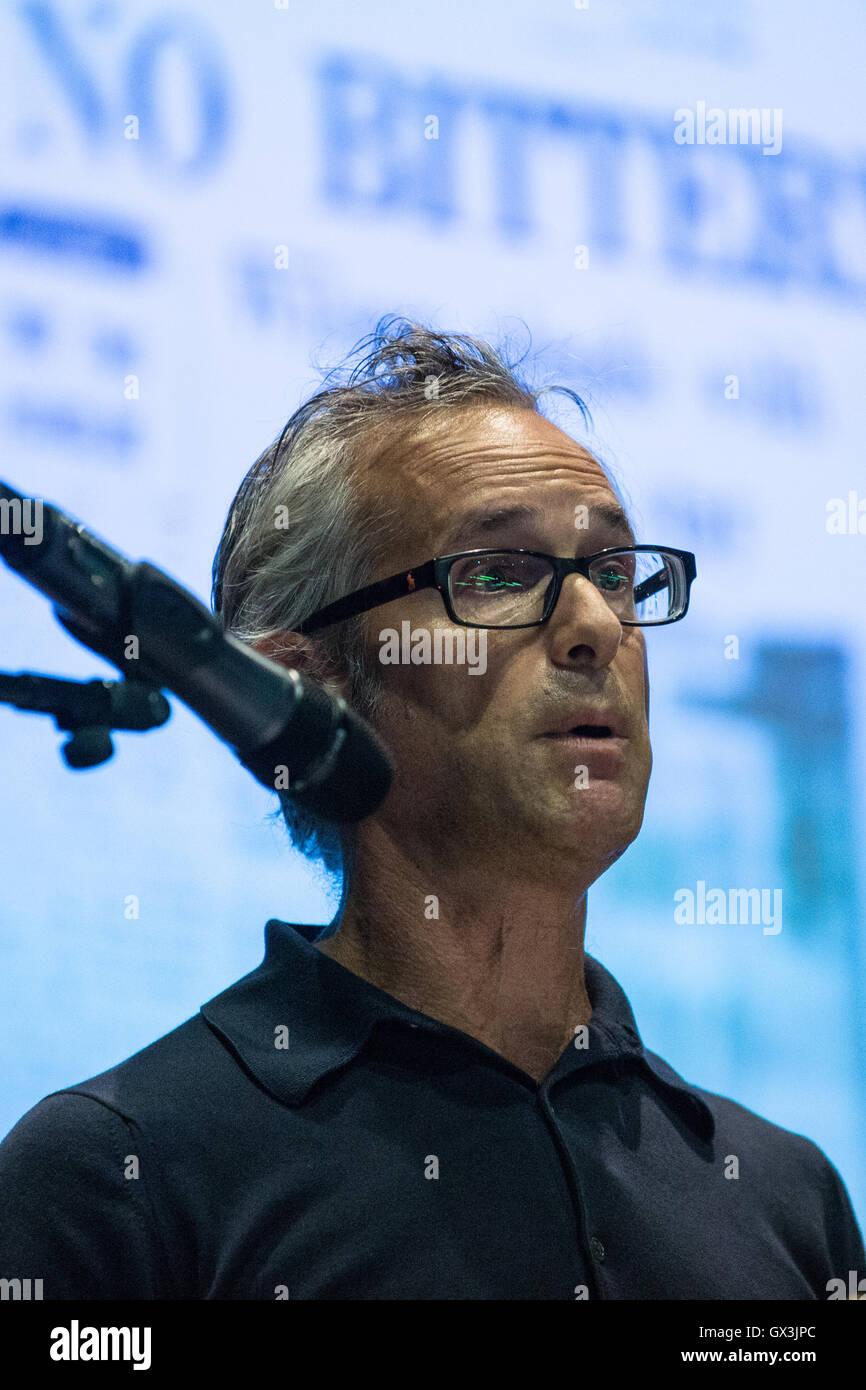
(90, 711)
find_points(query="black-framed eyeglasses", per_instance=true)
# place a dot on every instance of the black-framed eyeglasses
(645, 585)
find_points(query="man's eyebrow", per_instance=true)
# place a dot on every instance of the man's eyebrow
(611, 515)
(478, 525)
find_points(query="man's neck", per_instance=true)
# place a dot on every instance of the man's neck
(498, 956)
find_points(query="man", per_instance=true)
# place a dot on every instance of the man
(442, 1096)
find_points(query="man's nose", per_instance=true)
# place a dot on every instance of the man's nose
(583, 628)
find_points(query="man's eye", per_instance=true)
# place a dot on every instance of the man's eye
(497, 581)
(490, 580)
(612, 580)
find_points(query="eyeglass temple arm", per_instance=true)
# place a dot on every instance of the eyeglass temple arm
(383, 591)
(650, 586)
(660, 578)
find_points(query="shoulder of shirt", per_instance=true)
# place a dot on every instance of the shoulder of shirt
(735, 1122)
(56, 1121)
(148, 1088)
(66, 1202)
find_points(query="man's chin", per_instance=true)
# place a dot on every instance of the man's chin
(604, 823)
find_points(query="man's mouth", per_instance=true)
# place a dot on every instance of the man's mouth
(597, 745)
(585, 731)
(589, 730)
(607, 730)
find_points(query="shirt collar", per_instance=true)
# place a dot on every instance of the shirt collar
(614, 1021)
(300, 1015)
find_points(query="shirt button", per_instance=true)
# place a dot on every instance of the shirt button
(597, 1248)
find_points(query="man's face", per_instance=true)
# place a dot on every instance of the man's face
(485, 765)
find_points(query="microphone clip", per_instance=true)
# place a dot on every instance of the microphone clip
(89, 711)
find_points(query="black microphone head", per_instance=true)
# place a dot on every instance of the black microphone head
(346, 772)
(357, 780)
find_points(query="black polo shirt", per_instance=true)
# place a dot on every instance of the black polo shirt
(308, 1136)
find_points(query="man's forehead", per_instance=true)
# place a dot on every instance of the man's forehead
(487, 461)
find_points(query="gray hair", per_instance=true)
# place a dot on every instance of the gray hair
(301, 532)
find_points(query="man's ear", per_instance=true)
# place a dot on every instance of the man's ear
(301, 653)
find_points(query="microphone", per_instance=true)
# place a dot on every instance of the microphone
(288, 731)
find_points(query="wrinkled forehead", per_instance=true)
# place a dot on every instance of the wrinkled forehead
(482, 459)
